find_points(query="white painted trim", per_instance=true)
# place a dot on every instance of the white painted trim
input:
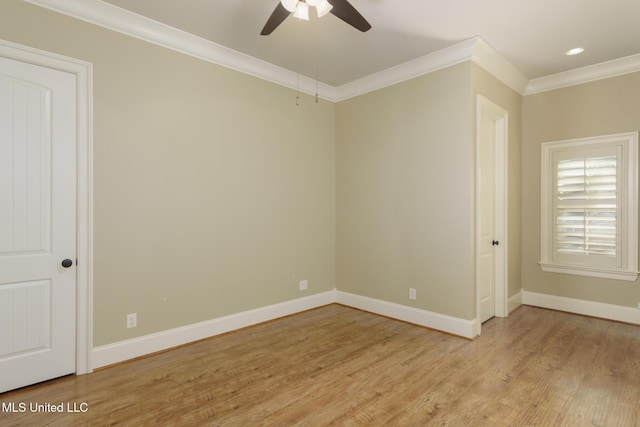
(84, 269)
(589, 308)
(475, 49)
(114, 18)
(580, 270)
(429, 319)
(435, 61)
(124, 350)
(604, 70)
(117, 19)
(628, 263)
(515, 301)
(496, 64)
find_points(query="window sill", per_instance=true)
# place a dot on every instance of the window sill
(630, 276)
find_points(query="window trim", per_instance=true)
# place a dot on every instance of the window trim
(628, 206)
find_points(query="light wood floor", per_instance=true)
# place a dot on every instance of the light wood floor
(340, 366)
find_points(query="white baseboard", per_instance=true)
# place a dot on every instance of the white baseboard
(136, 347)
(514, 302)
(441, 322)
(124, 350)
(578, 306)
(129, 349)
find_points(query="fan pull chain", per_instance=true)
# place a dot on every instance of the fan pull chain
(298, 66)
(315, 42)
(316, 77)
(297, 89)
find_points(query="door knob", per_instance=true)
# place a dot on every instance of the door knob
(495, 243)
(67, 263)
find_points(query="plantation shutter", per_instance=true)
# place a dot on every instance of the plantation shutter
(589, 200)
(587, 207)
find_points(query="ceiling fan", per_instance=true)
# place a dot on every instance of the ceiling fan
(300, 9)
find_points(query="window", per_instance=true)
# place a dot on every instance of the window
(590, 206)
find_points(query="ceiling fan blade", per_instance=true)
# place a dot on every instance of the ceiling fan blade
(343, 10)
(276, 18)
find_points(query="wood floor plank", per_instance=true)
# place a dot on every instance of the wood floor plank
(337, 366)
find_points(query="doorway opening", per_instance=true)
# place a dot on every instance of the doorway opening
(491, 211)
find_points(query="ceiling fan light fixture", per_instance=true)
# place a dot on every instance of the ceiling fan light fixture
(323, 7)
(290, 5)
(302, 11)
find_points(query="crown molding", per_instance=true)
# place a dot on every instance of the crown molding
(604, 70)
(111, 17)
(435, 61)
(475, 49)
(114, 18)
(496, 64)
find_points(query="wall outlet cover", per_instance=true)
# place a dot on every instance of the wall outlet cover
(132, 320)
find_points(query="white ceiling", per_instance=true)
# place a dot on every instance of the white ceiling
(532, 34)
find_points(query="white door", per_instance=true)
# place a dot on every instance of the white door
(491, 190)
(37, 223)
(487, 219)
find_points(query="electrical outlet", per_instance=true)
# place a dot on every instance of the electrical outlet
(303, 285)
(412, 293)
(132, 320)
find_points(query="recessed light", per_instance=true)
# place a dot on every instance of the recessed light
(574, 51)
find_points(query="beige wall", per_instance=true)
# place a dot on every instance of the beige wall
(213, 192)
(404, 193)
(491, 88)
(591, 109)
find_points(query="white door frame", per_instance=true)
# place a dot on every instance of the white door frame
(84, 268)
(500, 117)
